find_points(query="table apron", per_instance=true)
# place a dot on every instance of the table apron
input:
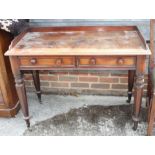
(77, 62)
(77, 69)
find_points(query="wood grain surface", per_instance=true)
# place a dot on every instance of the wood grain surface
(99, 41)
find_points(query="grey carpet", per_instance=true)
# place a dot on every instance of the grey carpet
(91, 121)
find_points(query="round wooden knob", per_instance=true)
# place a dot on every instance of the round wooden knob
(33, 61)
(120, 61)
(92, 61)
(59, 62)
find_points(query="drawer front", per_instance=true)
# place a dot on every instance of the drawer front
(107, 61)
(47, 61)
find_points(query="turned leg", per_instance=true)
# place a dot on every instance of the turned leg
(151, 117)
(139, 84)
(149, 95)
(149, 90)
(131, 75)
(20, 87)
(36, 80)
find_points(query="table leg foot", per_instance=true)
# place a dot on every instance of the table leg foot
(135, 122)
(129, 97)
(27, 123)
(135, 126)
(39, 97)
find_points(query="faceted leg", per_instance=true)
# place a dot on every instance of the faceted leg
(131, 75)
(152, 116)
(36, 80)
(139, 84)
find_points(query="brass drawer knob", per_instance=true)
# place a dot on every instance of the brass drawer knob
(120, 61)
(92, 61)
(58, 62)
(33, 61)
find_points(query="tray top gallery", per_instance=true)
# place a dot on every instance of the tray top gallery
(90, 40)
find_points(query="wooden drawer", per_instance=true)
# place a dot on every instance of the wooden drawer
(47, 61)
(107, 61)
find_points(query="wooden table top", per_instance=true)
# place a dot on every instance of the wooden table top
(81, 42)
